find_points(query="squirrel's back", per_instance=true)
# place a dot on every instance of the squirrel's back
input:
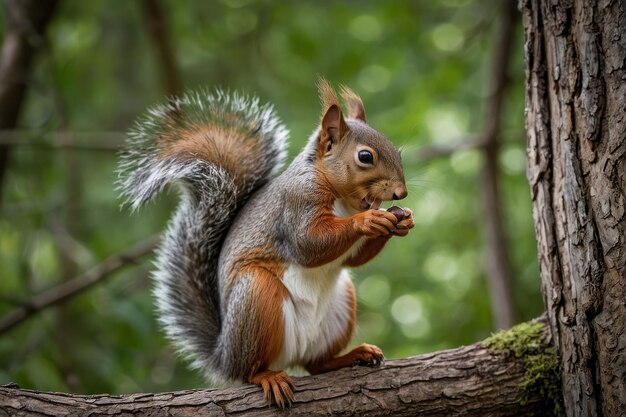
(219, 148)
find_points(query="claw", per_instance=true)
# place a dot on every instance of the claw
(287, 390)
(277, 387)
(368, 355)
(267, 394)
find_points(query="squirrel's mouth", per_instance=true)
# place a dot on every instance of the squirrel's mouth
(368, 203)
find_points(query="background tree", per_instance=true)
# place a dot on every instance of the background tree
(26, 22)
(575, 95)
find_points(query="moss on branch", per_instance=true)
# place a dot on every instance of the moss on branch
(528, 342)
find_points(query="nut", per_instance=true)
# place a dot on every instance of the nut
(398, 212)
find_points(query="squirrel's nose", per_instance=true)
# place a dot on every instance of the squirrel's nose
(400, 193)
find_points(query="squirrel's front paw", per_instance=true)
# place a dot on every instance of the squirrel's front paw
(375, 223)
(407, 223)
(368, 355)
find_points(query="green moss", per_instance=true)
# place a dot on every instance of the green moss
(523, 339)
(526, 341)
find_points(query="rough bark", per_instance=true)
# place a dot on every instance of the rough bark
(576, 127)
(26, 22)
(468, 381)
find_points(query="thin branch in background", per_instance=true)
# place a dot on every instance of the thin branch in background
(80, 255)
(429, 153)
(161, 40)
(82, 141)
(498, 265)
(73, 287)
(26, 22)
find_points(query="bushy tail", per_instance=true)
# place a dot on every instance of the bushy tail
(219, 148)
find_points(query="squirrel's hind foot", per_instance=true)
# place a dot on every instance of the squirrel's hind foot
(277, 387)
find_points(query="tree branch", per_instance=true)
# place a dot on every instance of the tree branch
(108, 141)
(429, 153)
(469, 381)
(70, 289)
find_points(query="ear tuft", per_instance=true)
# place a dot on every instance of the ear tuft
(353, 103)
(333, 125)
(327, 95)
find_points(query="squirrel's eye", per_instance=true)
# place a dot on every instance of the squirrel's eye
(366, 157)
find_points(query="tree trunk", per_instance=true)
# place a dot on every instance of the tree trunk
(497, 264)
(576, 127)
(469, 381)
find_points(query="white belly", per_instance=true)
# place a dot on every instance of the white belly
(315, 314)
(318, 309)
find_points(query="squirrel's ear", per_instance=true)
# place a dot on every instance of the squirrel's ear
(333, 128)
(333, 124)
(354, 104)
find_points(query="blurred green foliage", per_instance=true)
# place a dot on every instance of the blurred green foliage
(422, 69)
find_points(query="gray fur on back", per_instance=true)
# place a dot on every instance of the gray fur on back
(186, 289)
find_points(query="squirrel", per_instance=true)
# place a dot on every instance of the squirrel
(251, 275)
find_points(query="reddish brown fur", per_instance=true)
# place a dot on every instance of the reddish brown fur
(233, 150)
(277, 386)
(261, 258)
(268, 293)
(364, 354)
(325, 190)
(337, 233)
(368, 250)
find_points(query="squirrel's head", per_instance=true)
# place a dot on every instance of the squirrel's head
(360, 164)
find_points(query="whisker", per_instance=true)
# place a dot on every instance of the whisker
(375, 198)
(350, 194)
(420, 181)
(410, 148)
